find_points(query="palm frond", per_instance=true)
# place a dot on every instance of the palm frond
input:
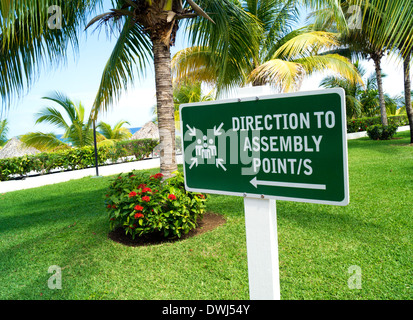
(41, 141)
(118, 132)
(233, 39)
(26, 40)
(332, 62)
(52, 116)
(65, 102)
(283, 75)
(388, 24)
(4, 130)
(307, 44)
(131, 54)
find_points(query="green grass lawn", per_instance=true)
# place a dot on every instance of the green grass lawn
(66, 225)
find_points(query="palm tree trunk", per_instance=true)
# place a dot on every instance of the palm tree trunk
(165, 106)
(377, 64)
(407, 92)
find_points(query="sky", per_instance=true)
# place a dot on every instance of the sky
(79, 80)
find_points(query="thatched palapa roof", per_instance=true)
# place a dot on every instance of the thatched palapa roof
(148, 131)
(15, 148)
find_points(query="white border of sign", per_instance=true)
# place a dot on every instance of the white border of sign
(338, 91)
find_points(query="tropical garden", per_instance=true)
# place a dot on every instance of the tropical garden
(231, 44)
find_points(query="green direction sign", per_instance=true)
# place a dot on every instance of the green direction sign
(286, 147)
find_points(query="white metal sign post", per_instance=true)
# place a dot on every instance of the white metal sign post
(262, 248)
(289, 147)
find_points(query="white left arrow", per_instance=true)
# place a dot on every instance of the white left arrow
(256, 183)
(194, 162)
(192, 131)
(219, 164)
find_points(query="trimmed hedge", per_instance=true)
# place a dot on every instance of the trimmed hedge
(361, 124)
(74, 159)
(380, 132)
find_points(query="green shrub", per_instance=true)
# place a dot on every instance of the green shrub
(361, 124)
(380, 132)
(143, 204)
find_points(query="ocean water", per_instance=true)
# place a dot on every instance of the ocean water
(132, 130)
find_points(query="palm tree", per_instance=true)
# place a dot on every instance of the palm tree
(77, 130)
(370, 98)
(386, 26)
(357, 42)
(112, 134)
(4, 129)
(188, 92)
(148, 30)
(407, 91)
(283, 57)
(363, 100)
(354, 107)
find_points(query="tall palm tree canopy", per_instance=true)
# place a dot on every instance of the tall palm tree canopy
(282, 56)
(26, 41)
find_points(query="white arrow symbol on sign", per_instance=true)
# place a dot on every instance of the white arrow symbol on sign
(192, 131)
(256, 183)
(194, 161)
(217, 132)
(219, 163)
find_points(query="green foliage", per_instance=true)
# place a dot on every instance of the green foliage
(4, 129)
(142, 204)
(380, 132)
(73, 159)
(361, 124)
(139, 148)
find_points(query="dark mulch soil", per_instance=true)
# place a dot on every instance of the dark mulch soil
(209, 222)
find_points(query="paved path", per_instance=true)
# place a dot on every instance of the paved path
(37, 181)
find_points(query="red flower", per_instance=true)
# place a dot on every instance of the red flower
(138, 208)
(139, 215)
(146, 190)
(113, 206)
(146, 198)
(156, 176)
(141, 186)
(201, 196)
(132, 194)
(109, 206)
(172, 197)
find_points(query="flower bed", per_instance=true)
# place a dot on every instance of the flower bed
(142, 204)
